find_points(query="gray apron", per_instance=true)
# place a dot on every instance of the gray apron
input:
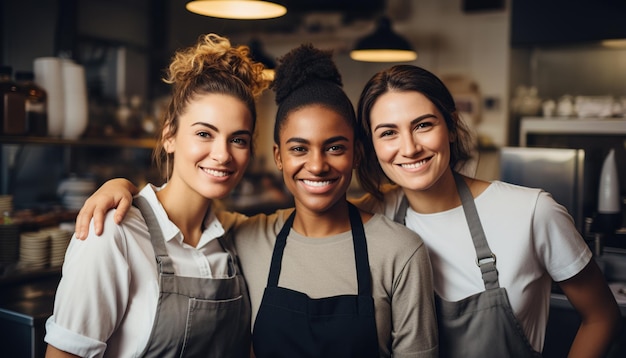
(197, 317)
(481, 325)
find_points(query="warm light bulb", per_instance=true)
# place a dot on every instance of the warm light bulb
(383, 55)
(237, 9)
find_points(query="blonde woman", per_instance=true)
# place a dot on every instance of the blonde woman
(166, 281)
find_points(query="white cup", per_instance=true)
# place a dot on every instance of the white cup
(49, 75)
(75, 94)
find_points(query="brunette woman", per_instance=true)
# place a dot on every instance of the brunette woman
(495, 248)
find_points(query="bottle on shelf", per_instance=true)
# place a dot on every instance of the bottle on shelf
(12, 104)
(609, 201)
(36, 103)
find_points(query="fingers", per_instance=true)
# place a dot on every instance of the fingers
(122, 208)
(83, 219)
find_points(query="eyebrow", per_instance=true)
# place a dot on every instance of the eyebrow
(413, 122)
(339, 138)
(214, 128)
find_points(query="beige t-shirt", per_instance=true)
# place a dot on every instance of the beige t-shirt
(325, 267)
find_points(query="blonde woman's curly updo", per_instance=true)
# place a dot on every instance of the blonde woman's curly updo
(212, 65)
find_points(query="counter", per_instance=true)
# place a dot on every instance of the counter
(25, 305)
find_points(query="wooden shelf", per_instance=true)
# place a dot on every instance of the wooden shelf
(538, 125)
(147, 143)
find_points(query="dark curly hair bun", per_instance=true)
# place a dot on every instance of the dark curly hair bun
(308, 76)
(301, 65)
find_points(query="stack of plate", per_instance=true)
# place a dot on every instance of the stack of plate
(9, 244)
(34, 250)
(59, 240)
(6, 204)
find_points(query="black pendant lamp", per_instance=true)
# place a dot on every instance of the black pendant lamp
(383, 45)
(237, 9)
(258, 54)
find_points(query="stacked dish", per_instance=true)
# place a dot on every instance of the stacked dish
(59, 240)
(34, 249)
(6, 204)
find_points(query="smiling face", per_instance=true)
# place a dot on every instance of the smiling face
(212, 144)
(411, 139)
(316, 155)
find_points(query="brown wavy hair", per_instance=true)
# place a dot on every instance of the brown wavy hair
(406, 78)
(212, 65)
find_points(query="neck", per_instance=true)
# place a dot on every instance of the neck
(441, 196)
(322, 224)
(189, 214)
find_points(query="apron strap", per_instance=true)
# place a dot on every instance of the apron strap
(363, 276)
(279, 247)
(485, 259)
(164, 262)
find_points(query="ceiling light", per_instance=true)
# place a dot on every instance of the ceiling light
(237, 9)
(616, 43)
(383, 45)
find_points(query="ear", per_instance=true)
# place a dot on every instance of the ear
(168, 140)
(277, 159)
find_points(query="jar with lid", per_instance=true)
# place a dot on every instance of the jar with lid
(36, 103)
(12, 105)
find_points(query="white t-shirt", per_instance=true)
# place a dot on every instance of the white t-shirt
(533, 237)
(106, 301)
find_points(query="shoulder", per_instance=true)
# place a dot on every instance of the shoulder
(384, 234)
(392, 197)
(261, 224)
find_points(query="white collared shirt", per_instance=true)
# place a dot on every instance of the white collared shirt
(108, 295)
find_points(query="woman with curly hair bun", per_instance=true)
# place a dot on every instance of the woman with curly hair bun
(166, 281)
(325, 279)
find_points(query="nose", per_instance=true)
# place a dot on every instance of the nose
(316, 163)
(220, 151)
(409, 146)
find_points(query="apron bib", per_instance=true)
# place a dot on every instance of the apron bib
(481, 325)
(196, 317)
(290, 324)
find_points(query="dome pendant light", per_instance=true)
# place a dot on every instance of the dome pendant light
(237, 9)
(383, 45)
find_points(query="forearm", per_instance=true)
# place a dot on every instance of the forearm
(594, 339)
(53, 352)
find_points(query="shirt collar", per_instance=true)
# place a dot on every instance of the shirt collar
(213, 226)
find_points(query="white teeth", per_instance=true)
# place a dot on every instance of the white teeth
(413, 165)
(216, 173)
(316, 183)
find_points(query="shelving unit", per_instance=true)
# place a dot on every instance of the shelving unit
(539, 125)
(101, 157)
(147, 143)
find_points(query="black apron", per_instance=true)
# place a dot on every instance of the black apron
(196, 317)
(481, 325)
(290, 324)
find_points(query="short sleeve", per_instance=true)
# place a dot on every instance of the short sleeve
(557, 241)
